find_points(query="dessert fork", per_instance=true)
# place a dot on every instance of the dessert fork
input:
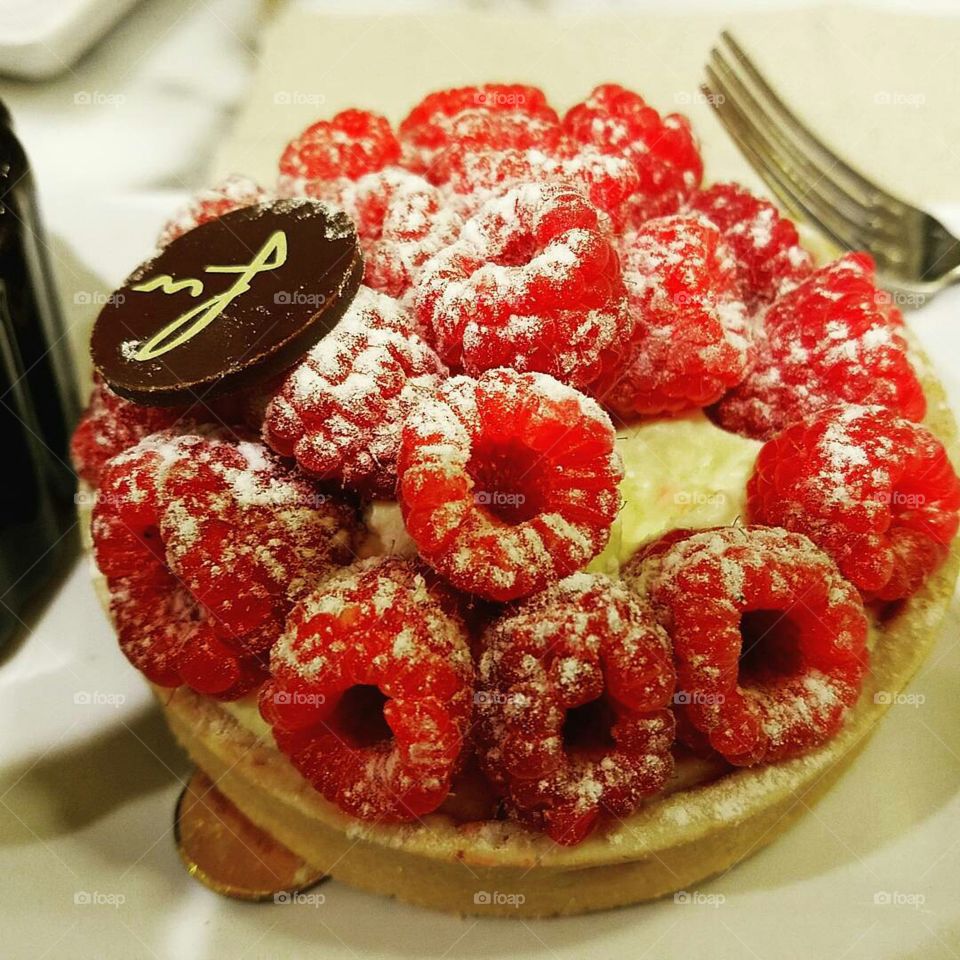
(913, 250)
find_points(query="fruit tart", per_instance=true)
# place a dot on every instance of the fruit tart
(506, 520)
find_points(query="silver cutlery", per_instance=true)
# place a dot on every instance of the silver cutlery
(914, 252)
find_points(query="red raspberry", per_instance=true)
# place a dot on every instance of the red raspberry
(766, 247)
(172, 640)
(509, 482)
(663, 150)
(483, 176)
(573, 702)
(607, 180)
(231, 193)
(371, 691)
(610, 181)
(158, 621)
(509, 108)
(481, 133)
(874, 491)
(353, 143)
(401, 220)
(835, 338)
(340, 410)
(693, 342)
(769, 639)
(205, 544)
(533, 283)
(111, 425)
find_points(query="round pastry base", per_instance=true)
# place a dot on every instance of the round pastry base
(699, 828)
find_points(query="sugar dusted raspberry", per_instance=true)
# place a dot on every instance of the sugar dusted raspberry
(573, 701)
(607, 180)
(481, 133)
(769, 639)
(835, 338)
(663, 150)
(532, 283)
(231, 193)
(172, 640)
(159, 622)
(371, 691)
(278, 533)
(509, 482)
(507, 109)
(353, 143)
(205, 544)
(876, 492)
(340, 410)
(111, 425)
(401, 219)
(693, 343)
(766, 247)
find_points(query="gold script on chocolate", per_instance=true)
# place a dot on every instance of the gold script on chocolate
(190, 323)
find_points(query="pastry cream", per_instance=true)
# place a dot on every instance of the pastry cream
(678, 472)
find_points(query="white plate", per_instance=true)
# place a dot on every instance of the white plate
(89, 777)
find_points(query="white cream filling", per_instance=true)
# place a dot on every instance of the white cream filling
(246, 712)
(679, 472)
(386, 533)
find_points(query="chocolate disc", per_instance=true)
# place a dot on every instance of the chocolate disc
(231, 303)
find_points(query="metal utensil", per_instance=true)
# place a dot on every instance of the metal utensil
(914, 251)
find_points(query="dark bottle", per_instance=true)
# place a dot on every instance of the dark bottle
(38, 402)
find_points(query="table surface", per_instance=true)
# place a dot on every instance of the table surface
(89, 775)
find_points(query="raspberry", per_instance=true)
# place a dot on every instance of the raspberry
(401, 220)
(205, 544)
(231, 193)
(607, 180)
(340, 410)
(693, 342)
(573, 701)
(532, 283)
(475, 134)
(835, 338)
(766, 247)
(159, 622)
(663, 151)
(610, 181)
(111, 425)
(507, 109)
(371, 691)
(171, 640)
(874, 491)
(769, 639)
(353, 143)
(507, 483)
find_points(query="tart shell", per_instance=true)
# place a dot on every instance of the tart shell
(489, 868)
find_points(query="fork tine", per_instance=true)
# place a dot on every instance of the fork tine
(790, 193)
(770, 174)
(875, 193)
(810, 176)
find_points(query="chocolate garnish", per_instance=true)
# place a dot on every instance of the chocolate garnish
(229, 304)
